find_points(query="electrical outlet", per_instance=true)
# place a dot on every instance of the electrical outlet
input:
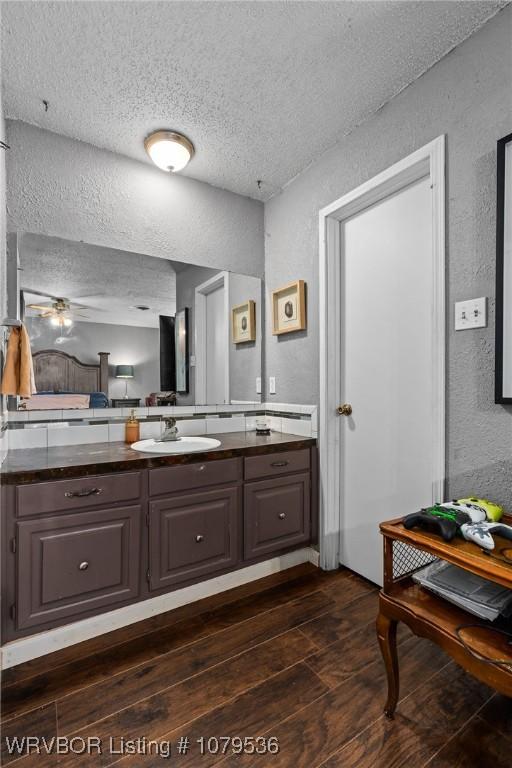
(258, 385)
(471, 314)
(272, 385)
(192, 360)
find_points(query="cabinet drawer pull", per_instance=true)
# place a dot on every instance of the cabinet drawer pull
(200, 468)
(282, 515)
(83, 566)
(83, 494)
(199, 538)
(279, 464)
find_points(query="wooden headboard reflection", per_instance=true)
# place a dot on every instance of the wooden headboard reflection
(55, 371)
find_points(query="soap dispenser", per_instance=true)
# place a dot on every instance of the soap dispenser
(132, 429)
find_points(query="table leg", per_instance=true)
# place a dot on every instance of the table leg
(386, 632)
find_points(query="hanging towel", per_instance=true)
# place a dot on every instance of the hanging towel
(18, 375)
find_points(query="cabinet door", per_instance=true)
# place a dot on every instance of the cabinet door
(276, 514)
(75, 564)
(193, 535)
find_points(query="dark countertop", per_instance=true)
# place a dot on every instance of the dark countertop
(37, 464)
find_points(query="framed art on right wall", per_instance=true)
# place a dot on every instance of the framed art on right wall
(289, 308)
(503, 364)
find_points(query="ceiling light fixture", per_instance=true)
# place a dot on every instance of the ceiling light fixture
(169, 150)
(59, 321)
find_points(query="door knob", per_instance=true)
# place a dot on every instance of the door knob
(345, 409)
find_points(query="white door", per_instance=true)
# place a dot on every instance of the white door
(216, 351)
(386, 370)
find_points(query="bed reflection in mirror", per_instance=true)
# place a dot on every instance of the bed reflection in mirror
(111, 328)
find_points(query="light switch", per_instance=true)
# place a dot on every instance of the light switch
(192, 360)
(471, 314)
(258, 385)
(272, 385)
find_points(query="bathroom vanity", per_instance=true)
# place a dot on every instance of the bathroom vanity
(91, 528)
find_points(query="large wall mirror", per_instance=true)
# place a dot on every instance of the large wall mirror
(504, 272)
(120, 328)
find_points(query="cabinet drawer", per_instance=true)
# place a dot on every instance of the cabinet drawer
(74, 564)
(84, 492)
(193, 535)
(276, 514)
(276, 464)
(197, 475)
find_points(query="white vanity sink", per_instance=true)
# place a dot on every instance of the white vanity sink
(183, 445)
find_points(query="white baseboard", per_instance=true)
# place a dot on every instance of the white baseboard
(314, 556)
(27, 648)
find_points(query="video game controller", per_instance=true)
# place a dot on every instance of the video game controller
(475, 513)
(493, 512)
(435, 520)
(482, 533)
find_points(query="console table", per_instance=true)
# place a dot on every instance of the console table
(430, 616)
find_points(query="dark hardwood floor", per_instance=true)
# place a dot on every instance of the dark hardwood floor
(293, 657)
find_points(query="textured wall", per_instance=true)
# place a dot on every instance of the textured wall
(135, 346)
(58, 186)
(245, 360)
(468, 97)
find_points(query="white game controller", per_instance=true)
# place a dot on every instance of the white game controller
(475, 513)
(481, 533)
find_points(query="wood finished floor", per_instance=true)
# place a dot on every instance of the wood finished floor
(293, 656)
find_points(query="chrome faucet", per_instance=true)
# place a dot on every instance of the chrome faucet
(171, 431)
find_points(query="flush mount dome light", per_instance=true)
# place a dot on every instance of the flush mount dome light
(169, 150)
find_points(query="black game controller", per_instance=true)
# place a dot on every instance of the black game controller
(437, 520)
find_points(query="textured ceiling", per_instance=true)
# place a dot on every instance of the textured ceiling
(110, 283)
(261, 88)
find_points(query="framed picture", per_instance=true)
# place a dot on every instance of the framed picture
(181, 344)
(289, 308)
(503, 357)
(243, 322)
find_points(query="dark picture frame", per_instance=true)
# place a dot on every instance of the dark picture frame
(503, 393)
(181, 329)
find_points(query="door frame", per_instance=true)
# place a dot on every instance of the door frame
(217, 281)
(429, 161)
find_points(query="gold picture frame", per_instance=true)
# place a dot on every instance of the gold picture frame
(289, 308)
(243, 322)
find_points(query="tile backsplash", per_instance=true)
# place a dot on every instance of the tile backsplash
(41, 429)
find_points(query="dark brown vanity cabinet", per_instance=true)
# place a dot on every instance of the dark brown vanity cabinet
(277, 507)
(194, 521)
(76, 563)
(276, 514)
(193, 535)
(73, 548)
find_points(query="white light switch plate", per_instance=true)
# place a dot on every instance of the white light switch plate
(272, 385)
(471, 314)
(258, 385)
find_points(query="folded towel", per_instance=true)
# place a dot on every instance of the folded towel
(18, 376)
